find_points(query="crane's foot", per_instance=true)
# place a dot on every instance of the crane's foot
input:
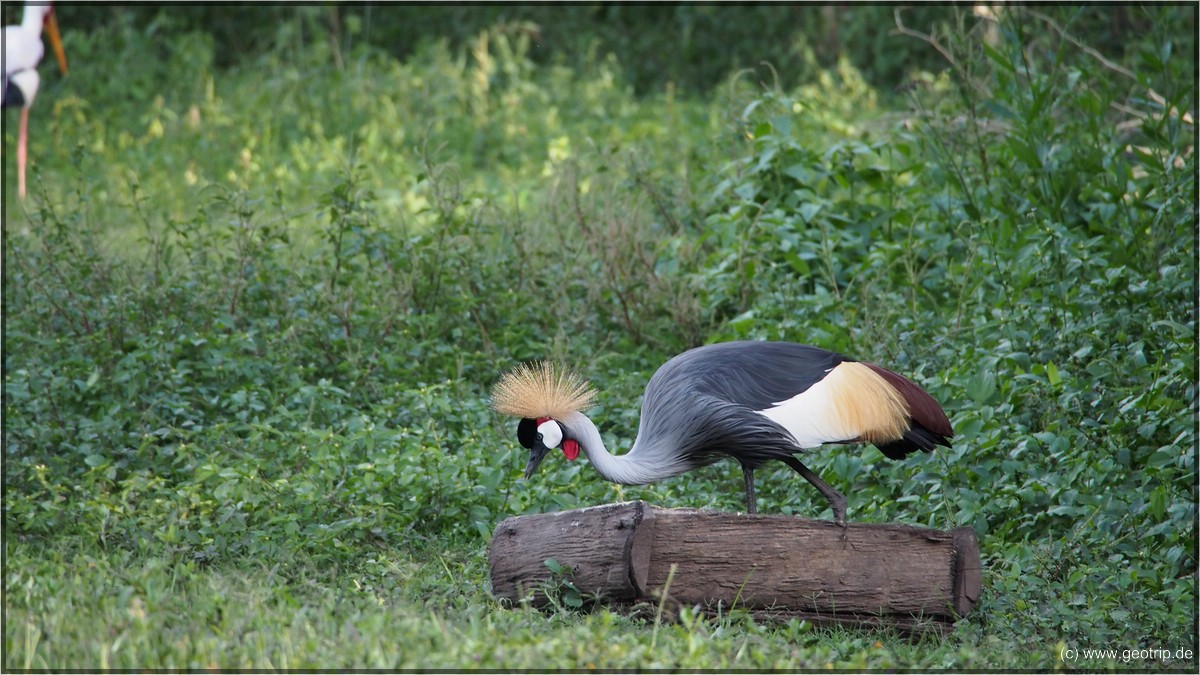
(837, 501)
(839, 513)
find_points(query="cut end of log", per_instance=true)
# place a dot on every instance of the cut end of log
(968, 570)
(604, 547)
(913, 578)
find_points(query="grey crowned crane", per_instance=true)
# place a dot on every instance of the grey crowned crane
(22, 53)
(752, 401)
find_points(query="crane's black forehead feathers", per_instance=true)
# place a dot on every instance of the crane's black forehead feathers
(527, 432)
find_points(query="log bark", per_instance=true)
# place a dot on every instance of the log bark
(913, 578)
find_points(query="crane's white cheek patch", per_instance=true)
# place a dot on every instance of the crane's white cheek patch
(813, 417)
(551, 433)
(571, 449)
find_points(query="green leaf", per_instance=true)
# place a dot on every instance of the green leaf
(999, 109)
(782, 124)
(801, 172)
(809, 210)
(1052, 374)
(746, 191)
(997, 58)
(1024, 152)
(982, 386)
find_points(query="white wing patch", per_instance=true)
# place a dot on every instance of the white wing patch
(851, 402)
(811, 417)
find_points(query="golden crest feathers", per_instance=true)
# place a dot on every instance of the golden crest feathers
(541, 390)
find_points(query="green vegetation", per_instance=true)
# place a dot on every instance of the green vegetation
(253, 312)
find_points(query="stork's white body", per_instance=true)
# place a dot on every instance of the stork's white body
(23, 51)
(23, 48)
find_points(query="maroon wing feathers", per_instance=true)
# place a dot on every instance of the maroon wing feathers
(930, 425)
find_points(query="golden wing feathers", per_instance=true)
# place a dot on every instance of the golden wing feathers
(541, 390)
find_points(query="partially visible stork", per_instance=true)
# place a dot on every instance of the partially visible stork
(752, 401)
(22, 52)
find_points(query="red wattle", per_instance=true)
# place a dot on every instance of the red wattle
(571, 449)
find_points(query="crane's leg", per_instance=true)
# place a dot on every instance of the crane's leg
(836, 500)
(751, 507)
(22, 145)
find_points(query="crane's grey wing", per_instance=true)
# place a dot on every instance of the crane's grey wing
(689, 430)
(756, 375)
(704, 404)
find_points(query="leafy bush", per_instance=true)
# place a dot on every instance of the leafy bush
(999, 250)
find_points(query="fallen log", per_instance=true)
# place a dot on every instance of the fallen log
(777, 567)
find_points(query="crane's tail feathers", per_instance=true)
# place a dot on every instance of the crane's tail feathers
(541, 390)
(923, 409)
(916, 438)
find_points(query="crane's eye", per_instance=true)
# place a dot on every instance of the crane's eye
(527, 433)
(550, 433)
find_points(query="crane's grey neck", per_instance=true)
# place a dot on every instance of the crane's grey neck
(643, 463)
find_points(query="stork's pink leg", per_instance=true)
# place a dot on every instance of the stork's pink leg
(22, 144)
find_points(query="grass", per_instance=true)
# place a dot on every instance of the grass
(252, 316)
(122, 610)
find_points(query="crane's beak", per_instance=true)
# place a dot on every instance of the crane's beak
(56, 41)
(536, 454)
